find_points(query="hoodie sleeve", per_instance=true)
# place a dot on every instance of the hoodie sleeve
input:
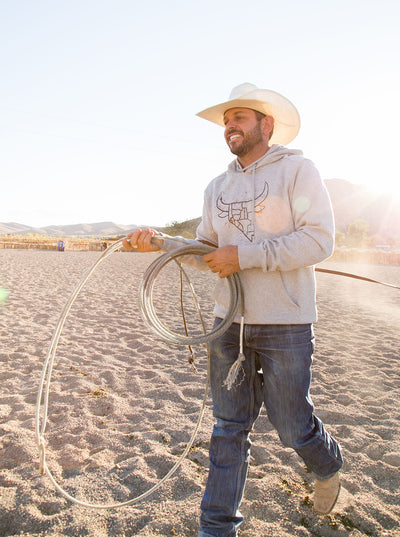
(204, 235)
(312, 239)
(205, 231)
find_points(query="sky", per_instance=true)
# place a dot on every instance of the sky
(98, 99)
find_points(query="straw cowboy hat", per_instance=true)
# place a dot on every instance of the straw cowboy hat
(270, 103)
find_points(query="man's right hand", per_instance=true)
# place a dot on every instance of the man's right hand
(140, 240)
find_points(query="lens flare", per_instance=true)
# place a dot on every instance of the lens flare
(3, 294)
(302, 204)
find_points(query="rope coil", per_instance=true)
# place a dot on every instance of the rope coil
(150, 315)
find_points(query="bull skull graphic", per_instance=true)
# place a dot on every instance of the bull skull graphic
(239, 213)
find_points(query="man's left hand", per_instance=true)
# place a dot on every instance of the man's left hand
(224, 260)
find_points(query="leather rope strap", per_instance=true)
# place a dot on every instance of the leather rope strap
(355, 276)
(328, 271)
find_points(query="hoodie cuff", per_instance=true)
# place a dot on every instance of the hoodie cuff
(251, 256)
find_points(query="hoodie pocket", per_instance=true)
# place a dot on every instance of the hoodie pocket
(287, 283)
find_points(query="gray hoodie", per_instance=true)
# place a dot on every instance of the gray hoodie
(278, 212)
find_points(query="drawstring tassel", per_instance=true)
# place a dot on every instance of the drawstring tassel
(236, 366)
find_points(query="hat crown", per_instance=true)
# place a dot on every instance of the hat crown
(268, 102)
(240, 91)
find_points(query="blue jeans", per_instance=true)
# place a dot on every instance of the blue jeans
(276, 371)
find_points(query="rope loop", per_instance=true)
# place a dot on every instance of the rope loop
(42, 455)
(151, 319)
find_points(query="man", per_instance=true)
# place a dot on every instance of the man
(271, 219)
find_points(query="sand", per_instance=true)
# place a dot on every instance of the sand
(123, 404)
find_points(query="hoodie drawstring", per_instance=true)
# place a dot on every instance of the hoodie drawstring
(237, 365)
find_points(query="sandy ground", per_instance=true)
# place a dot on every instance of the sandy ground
(123, 404)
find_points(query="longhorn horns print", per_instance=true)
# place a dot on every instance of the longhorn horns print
(239, 212)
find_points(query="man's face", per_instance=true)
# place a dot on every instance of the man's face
(243, 131)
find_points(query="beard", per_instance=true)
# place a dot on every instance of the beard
(249, 141)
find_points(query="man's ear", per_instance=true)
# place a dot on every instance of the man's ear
(268, 125)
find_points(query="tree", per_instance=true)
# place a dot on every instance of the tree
(340, 238)
(185, 229)
(357, 232)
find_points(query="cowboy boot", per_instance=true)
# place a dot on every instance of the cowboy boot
(326, 494)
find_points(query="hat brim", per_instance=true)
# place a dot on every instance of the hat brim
(285, 114)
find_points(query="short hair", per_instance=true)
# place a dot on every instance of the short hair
(259, 117)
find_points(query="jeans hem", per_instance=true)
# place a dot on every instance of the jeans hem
(326, 477)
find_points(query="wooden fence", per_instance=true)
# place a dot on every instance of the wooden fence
(375, 257)
(379, 257)
(24, 243)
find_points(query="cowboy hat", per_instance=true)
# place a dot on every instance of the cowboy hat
(270, 103)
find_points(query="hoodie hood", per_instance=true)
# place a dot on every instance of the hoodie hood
(275, 152)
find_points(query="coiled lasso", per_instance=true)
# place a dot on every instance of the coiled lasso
(153, 322)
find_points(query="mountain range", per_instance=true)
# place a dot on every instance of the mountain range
(350, 202)
(100, 229)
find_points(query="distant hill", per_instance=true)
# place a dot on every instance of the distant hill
(350, 202)
(100, 229)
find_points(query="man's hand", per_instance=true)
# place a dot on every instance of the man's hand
(224, 260)
(140, 240)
